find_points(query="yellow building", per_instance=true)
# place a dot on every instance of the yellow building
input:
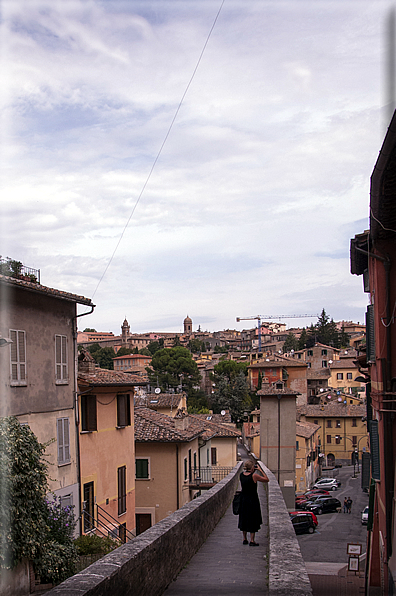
(342, 431)
(307, 455)
(343, 373)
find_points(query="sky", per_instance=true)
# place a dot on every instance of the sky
(200, 157)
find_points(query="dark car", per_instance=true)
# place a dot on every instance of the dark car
(302, 522)
(323, 505)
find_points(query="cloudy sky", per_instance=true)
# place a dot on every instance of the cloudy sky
(259, 186)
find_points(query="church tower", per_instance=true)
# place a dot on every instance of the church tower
(187, 326)
(125, 331)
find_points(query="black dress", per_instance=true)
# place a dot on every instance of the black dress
(250, 518)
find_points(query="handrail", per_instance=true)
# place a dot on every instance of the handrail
(104, 513)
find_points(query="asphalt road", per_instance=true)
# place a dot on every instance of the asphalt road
(335, 530)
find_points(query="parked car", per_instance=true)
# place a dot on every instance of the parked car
(323, 505)
(365, 513)
(329, 478)
(317, 491)
(314, 518)
(302, 522)
(326, 483)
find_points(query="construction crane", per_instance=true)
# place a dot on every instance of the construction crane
(260, 317)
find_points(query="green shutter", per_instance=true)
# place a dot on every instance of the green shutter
(375, 452)
(370, 334)
(142, 468)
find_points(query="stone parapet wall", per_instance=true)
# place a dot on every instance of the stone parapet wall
(151, 561)
(287, 573)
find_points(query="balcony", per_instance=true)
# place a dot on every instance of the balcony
(12, 268)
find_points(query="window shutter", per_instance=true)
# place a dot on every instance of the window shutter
(58, 357)
(60, 440)
(375, 452)
(64, 357)
(21, 355)
(92, 423)
(66, 439)
(14, 355)
(370, 333)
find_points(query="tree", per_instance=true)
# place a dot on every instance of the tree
(291, 343)
(195, 345)
(325, 332)
(174, 367)
(124, 352)
(154, 346)
(31, 525)
(144, 352)
(220, 349)
(302, 339)
(232, 395)
(344, 339)
(197, 402)
(230, 369)
(103, 356)
(88, 329)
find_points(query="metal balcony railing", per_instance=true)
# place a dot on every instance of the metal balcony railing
(13, 268)
(210, 474)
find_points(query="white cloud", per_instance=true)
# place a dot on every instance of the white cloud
(259, 187)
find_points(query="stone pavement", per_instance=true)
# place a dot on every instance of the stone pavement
(225, 566)
(333, 579)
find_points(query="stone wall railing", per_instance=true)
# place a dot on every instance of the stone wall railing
(287, 573)
(151, 561)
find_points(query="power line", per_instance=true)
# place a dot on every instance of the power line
(161, 147)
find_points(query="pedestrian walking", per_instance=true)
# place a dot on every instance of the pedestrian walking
(349, 503)
(345, 505)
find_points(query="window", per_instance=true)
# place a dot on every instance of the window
(66, 501)
(297, 446)
(142, 468)
(195, 461)
(299, 356)
(316, 422)
(88, 506)
(340, 376)
(324, 363)
(61, 374)
(122, 532)
(328, 438)
(62, 428)
(185, 469)
(328, 423)
(349, 376)
(18, 357)
(338, 439)
(121, 478)
(354, 441)
(338, 423)
(308, 365)
(123, 410)
(354, 422)
(324, 352)
(214, 456)
(310, 353)
(207, 457)
(88, 413)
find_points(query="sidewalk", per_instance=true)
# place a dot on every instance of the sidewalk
(333, 579)
(223, 565)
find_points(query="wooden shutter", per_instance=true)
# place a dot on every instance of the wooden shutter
(64, 357)
(370, 334)
(58, 357)
(92, 422)
(14, 355)
(18, 355)
(375, 450)
(63, 440)
(121, 490)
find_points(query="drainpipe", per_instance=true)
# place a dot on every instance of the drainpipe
(75, 406)
(279, 441)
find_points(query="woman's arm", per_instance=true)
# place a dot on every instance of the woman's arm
(260, 476)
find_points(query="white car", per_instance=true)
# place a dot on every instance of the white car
(326, 484)
(365, 513)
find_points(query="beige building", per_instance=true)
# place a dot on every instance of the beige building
(343, 430)
(307, 455)
(164, 403)
(38, 373)
(107, 449)
(134, 363)
(343, 373)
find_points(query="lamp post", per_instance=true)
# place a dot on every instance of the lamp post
(356, 454)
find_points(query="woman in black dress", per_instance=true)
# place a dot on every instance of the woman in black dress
(250, 518)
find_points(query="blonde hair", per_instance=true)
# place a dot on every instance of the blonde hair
(249, 465)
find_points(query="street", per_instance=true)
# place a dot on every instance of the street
(335, 530)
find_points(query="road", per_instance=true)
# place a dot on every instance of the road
(329, 542)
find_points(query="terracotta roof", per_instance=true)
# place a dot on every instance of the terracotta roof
(218, 418)
(344, 363)
(280, 363)
(132, 356)
(161, 400)
(153, 427)
(40, 289)
(332, 409)
(105, 378)
(212, 429)
(318, 374)
(306, 429)
(272, 391)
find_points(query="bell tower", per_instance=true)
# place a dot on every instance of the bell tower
(187, 326)
(125, 329)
